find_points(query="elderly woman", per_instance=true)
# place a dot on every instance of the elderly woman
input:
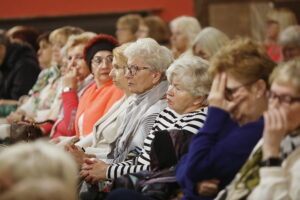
(278, 19)
(102, 141)
(187, 108)
(154, 27)
(36, 161)
(289, 41)
(208, 42)
(80, 115)
(183, 32)
(234, 124)
(273, 167)
(127, 27)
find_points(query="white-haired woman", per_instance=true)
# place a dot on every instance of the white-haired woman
(37, 160)
(187, 108)
(208, 42)
(183, 32)
(289, 41)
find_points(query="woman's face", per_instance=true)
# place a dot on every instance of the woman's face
(101, 66)
(198, 51)
(124, 34)
(44, 54)
(179, 98)
(143, 31)
(57, 45)
(272, 30)
(179, 40)
(118, 75)
(286, 97)
(248, 109)
(140, 78)
(76, 60)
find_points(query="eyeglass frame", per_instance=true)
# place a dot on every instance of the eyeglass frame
(136, 69)
(283, 99)
(106, 59)
(229, 92)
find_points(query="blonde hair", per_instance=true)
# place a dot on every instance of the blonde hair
(75, 40)
(64, 32)
(158, 29)
(193, 72)
(131, 21)
(244, 59)
(283, 16)
(211, 40)
(288, 72)
(189, 27)
(38, 160)
(119, 56)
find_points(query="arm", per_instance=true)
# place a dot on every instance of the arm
(70, 104)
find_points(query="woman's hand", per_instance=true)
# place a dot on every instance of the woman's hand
(77, 153)
(217, 97)
(274, 131)
(94, 171)
(70, 78)
(208, 187)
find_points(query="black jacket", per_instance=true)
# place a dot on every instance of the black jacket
(18, 71)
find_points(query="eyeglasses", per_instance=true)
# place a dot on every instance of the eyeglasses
(99, 60)
(283, 99)
(229, 92)
(133, 69)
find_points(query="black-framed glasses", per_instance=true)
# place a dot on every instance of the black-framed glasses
(97, 60)
(283, 99)
(229, 92)
(133, 69)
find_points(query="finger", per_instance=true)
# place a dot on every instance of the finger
(232, 105)
(90, 161)
(222, 84)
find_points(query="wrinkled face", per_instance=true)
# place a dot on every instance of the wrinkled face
(76, 60)
(272, 30)
(57, 45)
(290, 51)
(118, 75)
(283, 94)
(198, 51)
(124, 34)
(101, 66)
(44, 54)
(143, 31)
(179, 40)
(140, 78)
(179, 98)
(247, 110)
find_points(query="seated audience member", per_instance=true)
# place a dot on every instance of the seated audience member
(127, 26)
(278, 19)
(154, 27)
(234, 124)
(81, 113)
(187, 108)
(147, 63)
(272, 171)
(101, 142)
(36, 161)
(183, 32)
(290, 42)
(208, 42)
(19, 69)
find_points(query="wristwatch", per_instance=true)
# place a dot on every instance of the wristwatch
(67, 89)
(271, 162)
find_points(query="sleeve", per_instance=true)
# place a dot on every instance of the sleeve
(212, 155)
(86, 141)
(70, 104)
(278, 184)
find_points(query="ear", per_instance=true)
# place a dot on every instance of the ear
(260, 88)
(156, 75)
(198, 101)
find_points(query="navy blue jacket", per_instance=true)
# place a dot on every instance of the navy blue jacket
(217, 151)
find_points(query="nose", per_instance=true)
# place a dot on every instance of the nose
(170, 91)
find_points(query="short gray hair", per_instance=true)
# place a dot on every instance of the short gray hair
(193, 72)
(290, 35)
(211, 40)
(189, 26)
(155, 56)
